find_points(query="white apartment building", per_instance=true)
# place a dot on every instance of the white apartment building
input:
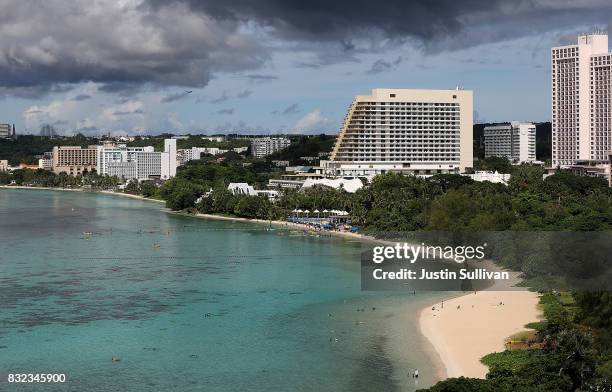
(46, 161)
(124, 170)
(515, 141)
(148, 164)
(581, 101)
(405, 130)
(260, 147)
(168, 159)
(118, 160)
(140, 163)
(7, 131)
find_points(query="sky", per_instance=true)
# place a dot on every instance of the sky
(271, 66)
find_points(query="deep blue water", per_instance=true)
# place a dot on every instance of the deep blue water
(190, 304)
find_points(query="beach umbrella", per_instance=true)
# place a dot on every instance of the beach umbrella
(325, 211)
(306, 212)
(298, 211)
(316, 211)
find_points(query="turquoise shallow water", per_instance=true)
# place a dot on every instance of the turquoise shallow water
(190, 304)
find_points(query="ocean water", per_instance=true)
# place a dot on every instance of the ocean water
(189, 304)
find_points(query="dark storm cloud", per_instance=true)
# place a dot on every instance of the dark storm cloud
(436, 24)
(125, 45)
(120, 45)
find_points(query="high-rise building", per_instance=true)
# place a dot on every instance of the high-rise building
(260, 147)
(168, 159)
(119, 160)
(515, 141)
(73, 160)
(140, 163)
(148, 164)
(7, 131)
(581, 101)
(404, 130)
(610, 169)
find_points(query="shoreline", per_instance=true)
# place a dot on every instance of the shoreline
(46, 188)
(285, 224)
(470, 325)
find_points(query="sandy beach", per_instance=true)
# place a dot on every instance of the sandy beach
(290, 225)
(473, 325)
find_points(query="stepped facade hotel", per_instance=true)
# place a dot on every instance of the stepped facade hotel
(581, 106)
(421, 132)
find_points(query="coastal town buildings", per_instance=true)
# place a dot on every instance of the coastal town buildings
(244, 189)
(139, 163)
(350, 185)
(260, 147)
(7, 131)
(190, 154)
(407, 131)
(581, 101)
(515, 141)
(592, 168)
(120, 160)
(217, 138)
(73, 160)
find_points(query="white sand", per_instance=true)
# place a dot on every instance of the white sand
(461, 337)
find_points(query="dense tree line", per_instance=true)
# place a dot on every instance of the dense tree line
(45, 178)
(393, 202)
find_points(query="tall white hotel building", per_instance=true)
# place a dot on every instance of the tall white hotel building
(421, 132)
(581, 106)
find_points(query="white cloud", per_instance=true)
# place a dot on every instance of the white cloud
(314, 121)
